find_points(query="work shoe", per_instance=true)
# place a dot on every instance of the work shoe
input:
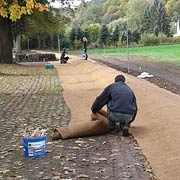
(125, 131)
(114, 131)
(116, 128)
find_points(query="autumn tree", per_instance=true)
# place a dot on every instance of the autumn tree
(47, 25)
(13, 10)
(135, 12)
(17, 28)
(173, 8)
(93, 31)
(10, 11)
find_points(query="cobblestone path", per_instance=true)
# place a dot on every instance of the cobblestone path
(31, 96)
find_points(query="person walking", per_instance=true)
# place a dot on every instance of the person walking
(121, 105)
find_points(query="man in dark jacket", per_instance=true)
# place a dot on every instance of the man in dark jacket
(121, 105)
(64, 59)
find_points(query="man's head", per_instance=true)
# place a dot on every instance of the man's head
(119, 78)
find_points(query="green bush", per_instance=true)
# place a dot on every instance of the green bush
(93, 45)
(77, 44)
(149, 40)
(164, 39)
(176, 40)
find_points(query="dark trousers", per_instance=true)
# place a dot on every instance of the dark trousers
(119, 119)
(64, 60)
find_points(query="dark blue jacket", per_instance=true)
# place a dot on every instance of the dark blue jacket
(119, 98)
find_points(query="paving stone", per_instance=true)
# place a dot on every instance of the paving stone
(31, 96)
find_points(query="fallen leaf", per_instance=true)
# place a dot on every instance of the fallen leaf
(114, 154)
(98, 154)
(82, 176)
(58, 157)
(4, 171)
(85, 160)
(115, 150)
(80, 142)
(102, 159)
(76, 148)
(95, 162)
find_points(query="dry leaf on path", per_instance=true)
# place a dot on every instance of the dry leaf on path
(82, 176)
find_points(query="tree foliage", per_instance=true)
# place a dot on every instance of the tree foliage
(104, 35)
(15, 9)
(173, 8)
(156, 19)
(115, 35)
(100, 12)
(93, 31)
(135, 12)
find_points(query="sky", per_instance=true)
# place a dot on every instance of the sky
(75, 3)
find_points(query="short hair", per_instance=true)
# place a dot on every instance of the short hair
(119, 78)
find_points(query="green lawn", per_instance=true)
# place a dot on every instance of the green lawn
(167, 54)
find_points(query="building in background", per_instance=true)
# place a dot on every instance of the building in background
(177, 28)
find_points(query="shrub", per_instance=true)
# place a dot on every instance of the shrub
(149, 40)
(93, 46)
(77, 44)
(163, 39)
(176, 40)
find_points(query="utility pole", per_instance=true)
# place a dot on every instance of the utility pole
(127, 40)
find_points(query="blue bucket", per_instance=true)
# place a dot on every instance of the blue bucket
(34, 147)
(49, 66)
(84, 55)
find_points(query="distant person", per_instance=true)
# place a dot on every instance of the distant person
(84, 54)
(64, 58)
(121, 105)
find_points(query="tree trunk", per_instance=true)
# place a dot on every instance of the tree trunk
(28, 43)
(6, 41)
(18, 43)
(39, 41)
(52, 41)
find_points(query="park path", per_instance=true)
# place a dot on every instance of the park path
(158, 121)
(30, 97)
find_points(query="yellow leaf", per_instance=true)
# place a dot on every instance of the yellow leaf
(23, 11)
(2, 3)
(80, 142)
(3, 12)
(41, 7)
(102, 159)
(29, 11)
(83, 176)
(30, 4)
(15, 11)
